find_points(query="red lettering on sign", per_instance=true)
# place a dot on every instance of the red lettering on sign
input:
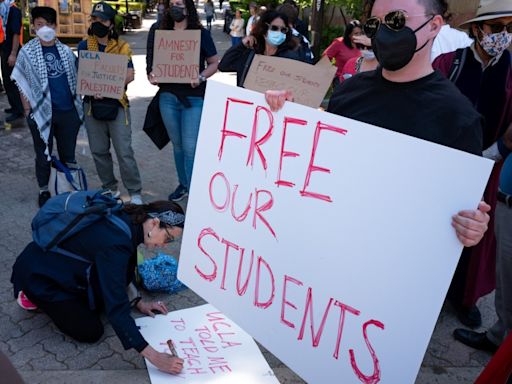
(256, 143)
(343, 309)
(309, 308)
(213, 275)
(241, 290)
(219, 207)
(228, 244)
(261, 208)
(375, 377)
(312, 167)
(257, 301)
(245, 212)
(286, 302)
(226, 132)
(284, 153)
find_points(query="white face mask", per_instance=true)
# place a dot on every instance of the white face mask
(46, 33)
(368, 54)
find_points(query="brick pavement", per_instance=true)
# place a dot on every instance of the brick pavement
(43, 355)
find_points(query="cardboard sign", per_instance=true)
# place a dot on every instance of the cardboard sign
(328, 240)
(214, 348)
(176, 56)
(309, 83)
(101, 74)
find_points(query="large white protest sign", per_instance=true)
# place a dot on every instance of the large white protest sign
(214, 349)
(326, 239)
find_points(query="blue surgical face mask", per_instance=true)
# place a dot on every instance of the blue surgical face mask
(275, 38)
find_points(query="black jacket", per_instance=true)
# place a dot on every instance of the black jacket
(239, 58)
(54, 277)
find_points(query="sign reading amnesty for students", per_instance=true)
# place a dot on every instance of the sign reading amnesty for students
(176, 56)
(102, 74)
(326, 239)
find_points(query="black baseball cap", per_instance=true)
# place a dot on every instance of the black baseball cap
(103, 11)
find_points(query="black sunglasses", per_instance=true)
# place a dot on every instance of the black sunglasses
(497, 27)
(276, 28)
(394, 20)
(170, 237)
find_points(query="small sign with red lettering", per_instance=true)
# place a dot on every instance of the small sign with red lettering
(102, 74)
(328, 240)
(176, 55)
(214, 348)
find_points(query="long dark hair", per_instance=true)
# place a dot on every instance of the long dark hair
(348, 31)
(140, 213)
(260, 29)
(193, 21)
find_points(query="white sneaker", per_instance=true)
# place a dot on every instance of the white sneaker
(115, 194)
(135, 199)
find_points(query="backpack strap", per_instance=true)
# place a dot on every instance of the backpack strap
(458, 64)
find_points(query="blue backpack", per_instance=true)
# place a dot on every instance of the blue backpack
(66, 214)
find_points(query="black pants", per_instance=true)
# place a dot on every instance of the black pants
(73, 317)
(65, 127)
(11, 90)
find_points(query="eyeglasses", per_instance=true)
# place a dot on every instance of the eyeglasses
(277, 28)
(170, 237)
(497, 27)
(394, 20)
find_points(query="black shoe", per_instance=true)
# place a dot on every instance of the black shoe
(470, 317)
(477, 340)
(8, 110)
(43, 198)
(13, 116)
(179, 194)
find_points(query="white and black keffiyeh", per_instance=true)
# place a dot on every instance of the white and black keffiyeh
(31, 77)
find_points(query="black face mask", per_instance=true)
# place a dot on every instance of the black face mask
(177, 13)
(100, 30)
(395, 49)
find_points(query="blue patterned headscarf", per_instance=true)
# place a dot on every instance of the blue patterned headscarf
(169, 217)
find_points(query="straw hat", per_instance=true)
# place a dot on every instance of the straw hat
(491, 9)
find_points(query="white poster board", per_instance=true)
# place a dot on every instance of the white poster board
(214, 348)
(328, 240)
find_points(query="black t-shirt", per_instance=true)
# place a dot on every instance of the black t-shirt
(430, 108)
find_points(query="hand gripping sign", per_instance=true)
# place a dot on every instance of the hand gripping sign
(328, 240)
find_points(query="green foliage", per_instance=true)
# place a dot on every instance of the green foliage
(329, 34)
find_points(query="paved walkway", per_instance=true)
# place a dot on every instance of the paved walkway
(44, 355)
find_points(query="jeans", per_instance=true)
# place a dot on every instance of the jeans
(235, 40)
(182, 126)
(65, 126)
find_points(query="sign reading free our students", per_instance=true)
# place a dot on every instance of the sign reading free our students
(102, 74)
(328, 240)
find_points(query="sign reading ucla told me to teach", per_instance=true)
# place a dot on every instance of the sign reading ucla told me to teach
(326, 239)
(102, 74)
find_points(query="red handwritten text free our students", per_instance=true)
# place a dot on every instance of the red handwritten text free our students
(223, 256)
